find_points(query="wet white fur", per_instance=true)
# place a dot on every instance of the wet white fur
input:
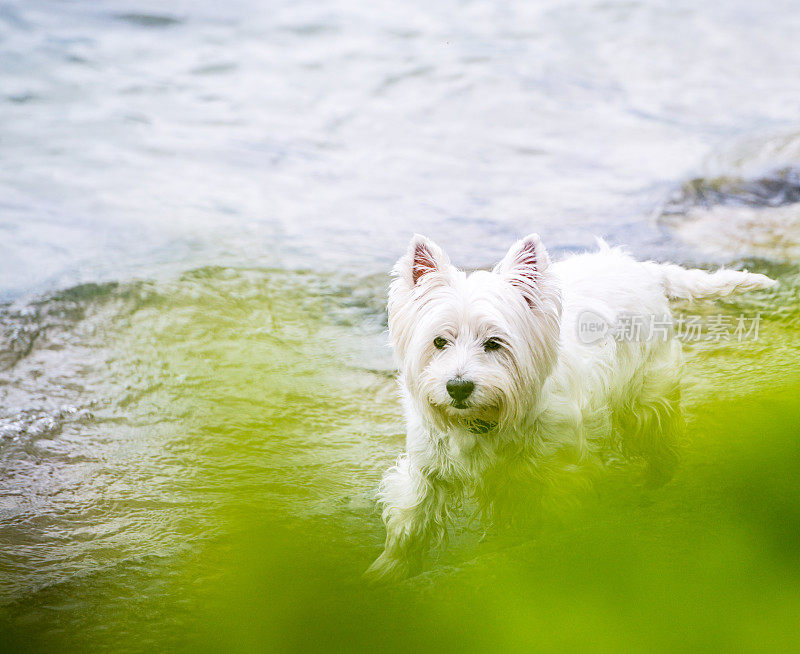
(551, 399)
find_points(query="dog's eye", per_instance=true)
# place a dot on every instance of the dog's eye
(439, 342)
(492, 344)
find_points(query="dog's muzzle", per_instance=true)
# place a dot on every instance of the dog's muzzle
(460, 389)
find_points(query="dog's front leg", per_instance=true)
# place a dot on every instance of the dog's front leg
(510, 495)
(416, 506)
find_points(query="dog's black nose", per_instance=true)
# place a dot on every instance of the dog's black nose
(460, 389)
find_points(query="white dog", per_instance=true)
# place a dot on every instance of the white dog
(502, 387)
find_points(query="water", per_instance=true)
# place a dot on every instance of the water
(198, 207)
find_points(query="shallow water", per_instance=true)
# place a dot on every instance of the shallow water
(140, 138)
(198, 208)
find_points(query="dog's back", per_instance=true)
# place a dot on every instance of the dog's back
(619, 365)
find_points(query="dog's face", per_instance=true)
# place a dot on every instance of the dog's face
(474, 349)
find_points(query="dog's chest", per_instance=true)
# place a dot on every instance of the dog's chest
(462, 453)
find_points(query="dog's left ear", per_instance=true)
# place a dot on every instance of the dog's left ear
(524, 264)
(423, 258)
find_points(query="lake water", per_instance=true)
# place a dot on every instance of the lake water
(199, 203)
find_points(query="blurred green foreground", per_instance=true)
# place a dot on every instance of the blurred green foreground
(259, 414)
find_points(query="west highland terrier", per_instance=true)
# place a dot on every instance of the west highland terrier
(502, 387)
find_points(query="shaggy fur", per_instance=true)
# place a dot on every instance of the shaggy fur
(543, 398)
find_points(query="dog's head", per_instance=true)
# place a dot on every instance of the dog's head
(474, 347)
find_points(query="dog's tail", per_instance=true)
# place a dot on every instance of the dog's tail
(694, 284)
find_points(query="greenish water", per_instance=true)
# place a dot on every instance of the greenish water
(210, 487)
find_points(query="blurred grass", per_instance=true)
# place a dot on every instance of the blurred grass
(710, 562)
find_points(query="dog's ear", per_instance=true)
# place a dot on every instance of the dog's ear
(422, 258)
(525, 263)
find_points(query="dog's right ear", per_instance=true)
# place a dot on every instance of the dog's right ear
(423, 258)
(525, 261)
(524, 265)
